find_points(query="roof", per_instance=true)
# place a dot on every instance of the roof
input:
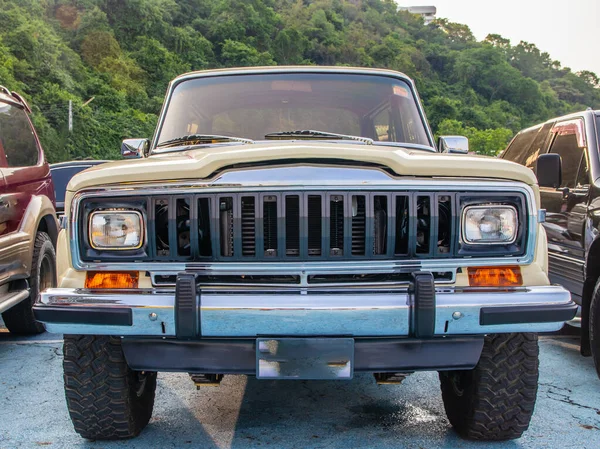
(561, 118)
(292, 69)
(13, 98)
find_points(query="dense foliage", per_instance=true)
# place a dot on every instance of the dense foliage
(122, 54)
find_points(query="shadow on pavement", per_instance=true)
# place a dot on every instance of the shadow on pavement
(356, 414)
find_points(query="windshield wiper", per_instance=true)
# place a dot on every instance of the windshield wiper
(312, 134)
(198, 139)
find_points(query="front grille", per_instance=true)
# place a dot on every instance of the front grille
(302, 226)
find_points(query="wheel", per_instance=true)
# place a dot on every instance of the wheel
(594, 323)
(19, 319)
(106, 399)
(495, 400)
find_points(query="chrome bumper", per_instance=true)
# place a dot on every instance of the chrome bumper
(357, 313)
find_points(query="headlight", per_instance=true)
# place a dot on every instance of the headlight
(489, 225)
(116, 230)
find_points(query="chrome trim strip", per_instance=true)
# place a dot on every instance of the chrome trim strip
(369, 266)
(566, 258)
(305, 311)
(303, 281)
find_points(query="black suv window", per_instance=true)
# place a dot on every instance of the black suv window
(583, 177)
(16, 137)
(518, 149)
(538, 147)
(568, 145)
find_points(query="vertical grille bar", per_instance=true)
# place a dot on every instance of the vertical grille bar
(390, 225)
(444, 224)
(172, 228)
(425, 224)
(336, 225)
(402, 224)
(237, 226)
(280, 226)
(292, 225)
(270, 219)
(194, 227)
(358, 209)
(151, 229)
(183, 226)
(315, 231)
(380, 225)
(248, 225)
(205, 226)
(226, 238)
(161, 234)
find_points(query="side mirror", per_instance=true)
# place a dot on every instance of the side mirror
(453, 144)
(134, 148)
(549, 170)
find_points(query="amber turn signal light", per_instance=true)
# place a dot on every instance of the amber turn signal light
(495, 277)
(111, 279)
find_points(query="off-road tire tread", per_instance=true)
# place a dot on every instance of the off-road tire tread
(99, 387)
(594, 326)
(500, 392)
(19, 319)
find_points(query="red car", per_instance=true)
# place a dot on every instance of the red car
(28, 226)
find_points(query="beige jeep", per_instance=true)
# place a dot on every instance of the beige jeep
(300, 223)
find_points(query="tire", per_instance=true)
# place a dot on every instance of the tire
(495, 400)
(106, 399)
(594, 329)
(19, 319)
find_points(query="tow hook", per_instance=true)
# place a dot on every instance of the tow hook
(206, 380)
(390, 378)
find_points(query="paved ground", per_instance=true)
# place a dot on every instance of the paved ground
(246, 413)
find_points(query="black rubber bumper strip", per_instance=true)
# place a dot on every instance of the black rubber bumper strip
(84, 315)
(423, 289)
(238, 356)
(527, 314)
(186, 310)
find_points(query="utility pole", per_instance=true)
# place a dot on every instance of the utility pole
(70, 116)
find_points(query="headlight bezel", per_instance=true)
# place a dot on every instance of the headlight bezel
(103, 204)
(463, 224)
(120, 211)
(517, 247)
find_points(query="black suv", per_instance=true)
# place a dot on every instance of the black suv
(564, 154)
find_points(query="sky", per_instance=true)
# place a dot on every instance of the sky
(568, 30)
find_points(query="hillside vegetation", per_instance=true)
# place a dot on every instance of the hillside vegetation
(122, 53)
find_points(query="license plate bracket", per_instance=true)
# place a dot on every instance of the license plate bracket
(305, 358)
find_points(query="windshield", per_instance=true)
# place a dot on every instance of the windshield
(251, 106)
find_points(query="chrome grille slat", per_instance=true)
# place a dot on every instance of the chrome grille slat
(315, 225)
(248, 205)
(359, 225)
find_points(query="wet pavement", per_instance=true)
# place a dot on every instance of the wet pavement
(247, 413)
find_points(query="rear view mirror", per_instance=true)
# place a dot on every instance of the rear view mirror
(549, 170)
(453, 144)
(134, 148)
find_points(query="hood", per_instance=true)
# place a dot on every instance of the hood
(205, 163)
